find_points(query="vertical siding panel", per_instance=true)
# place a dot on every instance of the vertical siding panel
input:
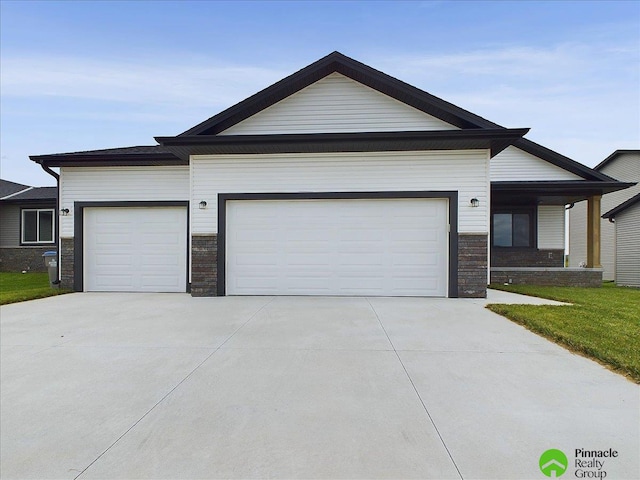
(513, 164)
(337, 104)
(342, 172)
(9, 226)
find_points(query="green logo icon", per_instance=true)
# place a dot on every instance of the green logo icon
(553, 463)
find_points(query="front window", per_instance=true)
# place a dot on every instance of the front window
(513, 229)
(37, 225)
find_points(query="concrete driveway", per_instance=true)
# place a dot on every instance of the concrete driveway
(169, 386)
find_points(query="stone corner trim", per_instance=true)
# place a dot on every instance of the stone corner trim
(472, 265)
(204, 265)
(67, 263)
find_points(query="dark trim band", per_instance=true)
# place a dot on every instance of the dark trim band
(452, 196)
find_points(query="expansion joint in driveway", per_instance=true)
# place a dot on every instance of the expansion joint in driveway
(174, 388)
(415, 389)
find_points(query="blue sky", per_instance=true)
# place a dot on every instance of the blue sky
(89, 75)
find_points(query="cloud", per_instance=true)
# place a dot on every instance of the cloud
(168, 83)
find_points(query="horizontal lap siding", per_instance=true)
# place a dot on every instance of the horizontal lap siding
(337, 104)
(551, 226)
(628, 251)
(96, 184)
(513, 164)
(465, 172)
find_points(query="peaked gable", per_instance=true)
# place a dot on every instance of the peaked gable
(513, 164)
(336, 104)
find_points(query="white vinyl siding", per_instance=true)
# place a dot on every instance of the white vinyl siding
(551, 226)
(628, 249)
(392, 247)
(94, 184)
(337, 104)
(463, 171)
(515, 165)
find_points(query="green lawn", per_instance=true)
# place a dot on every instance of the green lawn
(603, 323)
(18, 287)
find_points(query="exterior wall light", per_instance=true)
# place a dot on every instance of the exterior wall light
(474, 202)
(64, 212)
(202, 205)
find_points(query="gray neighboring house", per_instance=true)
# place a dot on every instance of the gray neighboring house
(617, 248)
(27, 226)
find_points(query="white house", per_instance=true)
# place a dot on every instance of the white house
(337, 180)
(623, 165)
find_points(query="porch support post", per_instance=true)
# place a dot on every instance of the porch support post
(593, 231)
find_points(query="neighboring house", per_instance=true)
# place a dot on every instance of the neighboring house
(27, 226)
(337, 180)
(623, 165)
(627, 225)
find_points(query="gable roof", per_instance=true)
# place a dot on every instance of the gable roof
(612, 157)
(337, 62)
(37, 193)
(11, 188)
(203, 137)
(11, 192)
(622, 207)
(383, 83)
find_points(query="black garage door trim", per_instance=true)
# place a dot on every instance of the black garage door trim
(78, 232)
(452, 196)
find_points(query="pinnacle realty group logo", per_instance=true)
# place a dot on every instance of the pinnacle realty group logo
(553, 463)
(588, 463)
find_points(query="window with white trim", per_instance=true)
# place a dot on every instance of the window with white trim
(37, 226)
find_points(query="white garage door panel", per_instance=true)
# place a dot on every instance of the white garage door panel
(395, 247)
(135, 249)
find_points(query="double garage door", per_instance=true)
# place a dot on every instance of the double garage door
(377, 247)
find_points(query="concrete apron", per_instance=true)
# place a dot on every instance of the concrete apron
(169, 386)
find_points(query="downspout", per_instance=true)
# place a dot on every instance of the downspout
(57, 214)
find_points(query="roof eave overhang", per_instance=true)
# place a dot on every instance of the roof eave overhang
(30, 201)
(115, 160)
(622, 207)
(552, 192)
(494, 140)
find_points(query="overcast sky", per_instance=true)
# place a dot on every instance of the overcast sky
(90, 75)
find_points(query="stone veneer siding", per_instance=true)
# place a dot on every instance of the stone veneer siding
(18, 259)
(472, 265)
(204, 265)
(67, 261)
(557, 277)
(527, 257)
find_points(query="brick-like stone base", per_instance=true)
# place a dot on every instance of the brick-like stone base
(472, 265)
(204, 265)
(556, 277)
(67, 263)
(527, 257)
(18, 259)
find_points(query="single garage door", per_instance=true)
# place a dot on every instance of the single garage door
(135, 249)
(381, 247)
